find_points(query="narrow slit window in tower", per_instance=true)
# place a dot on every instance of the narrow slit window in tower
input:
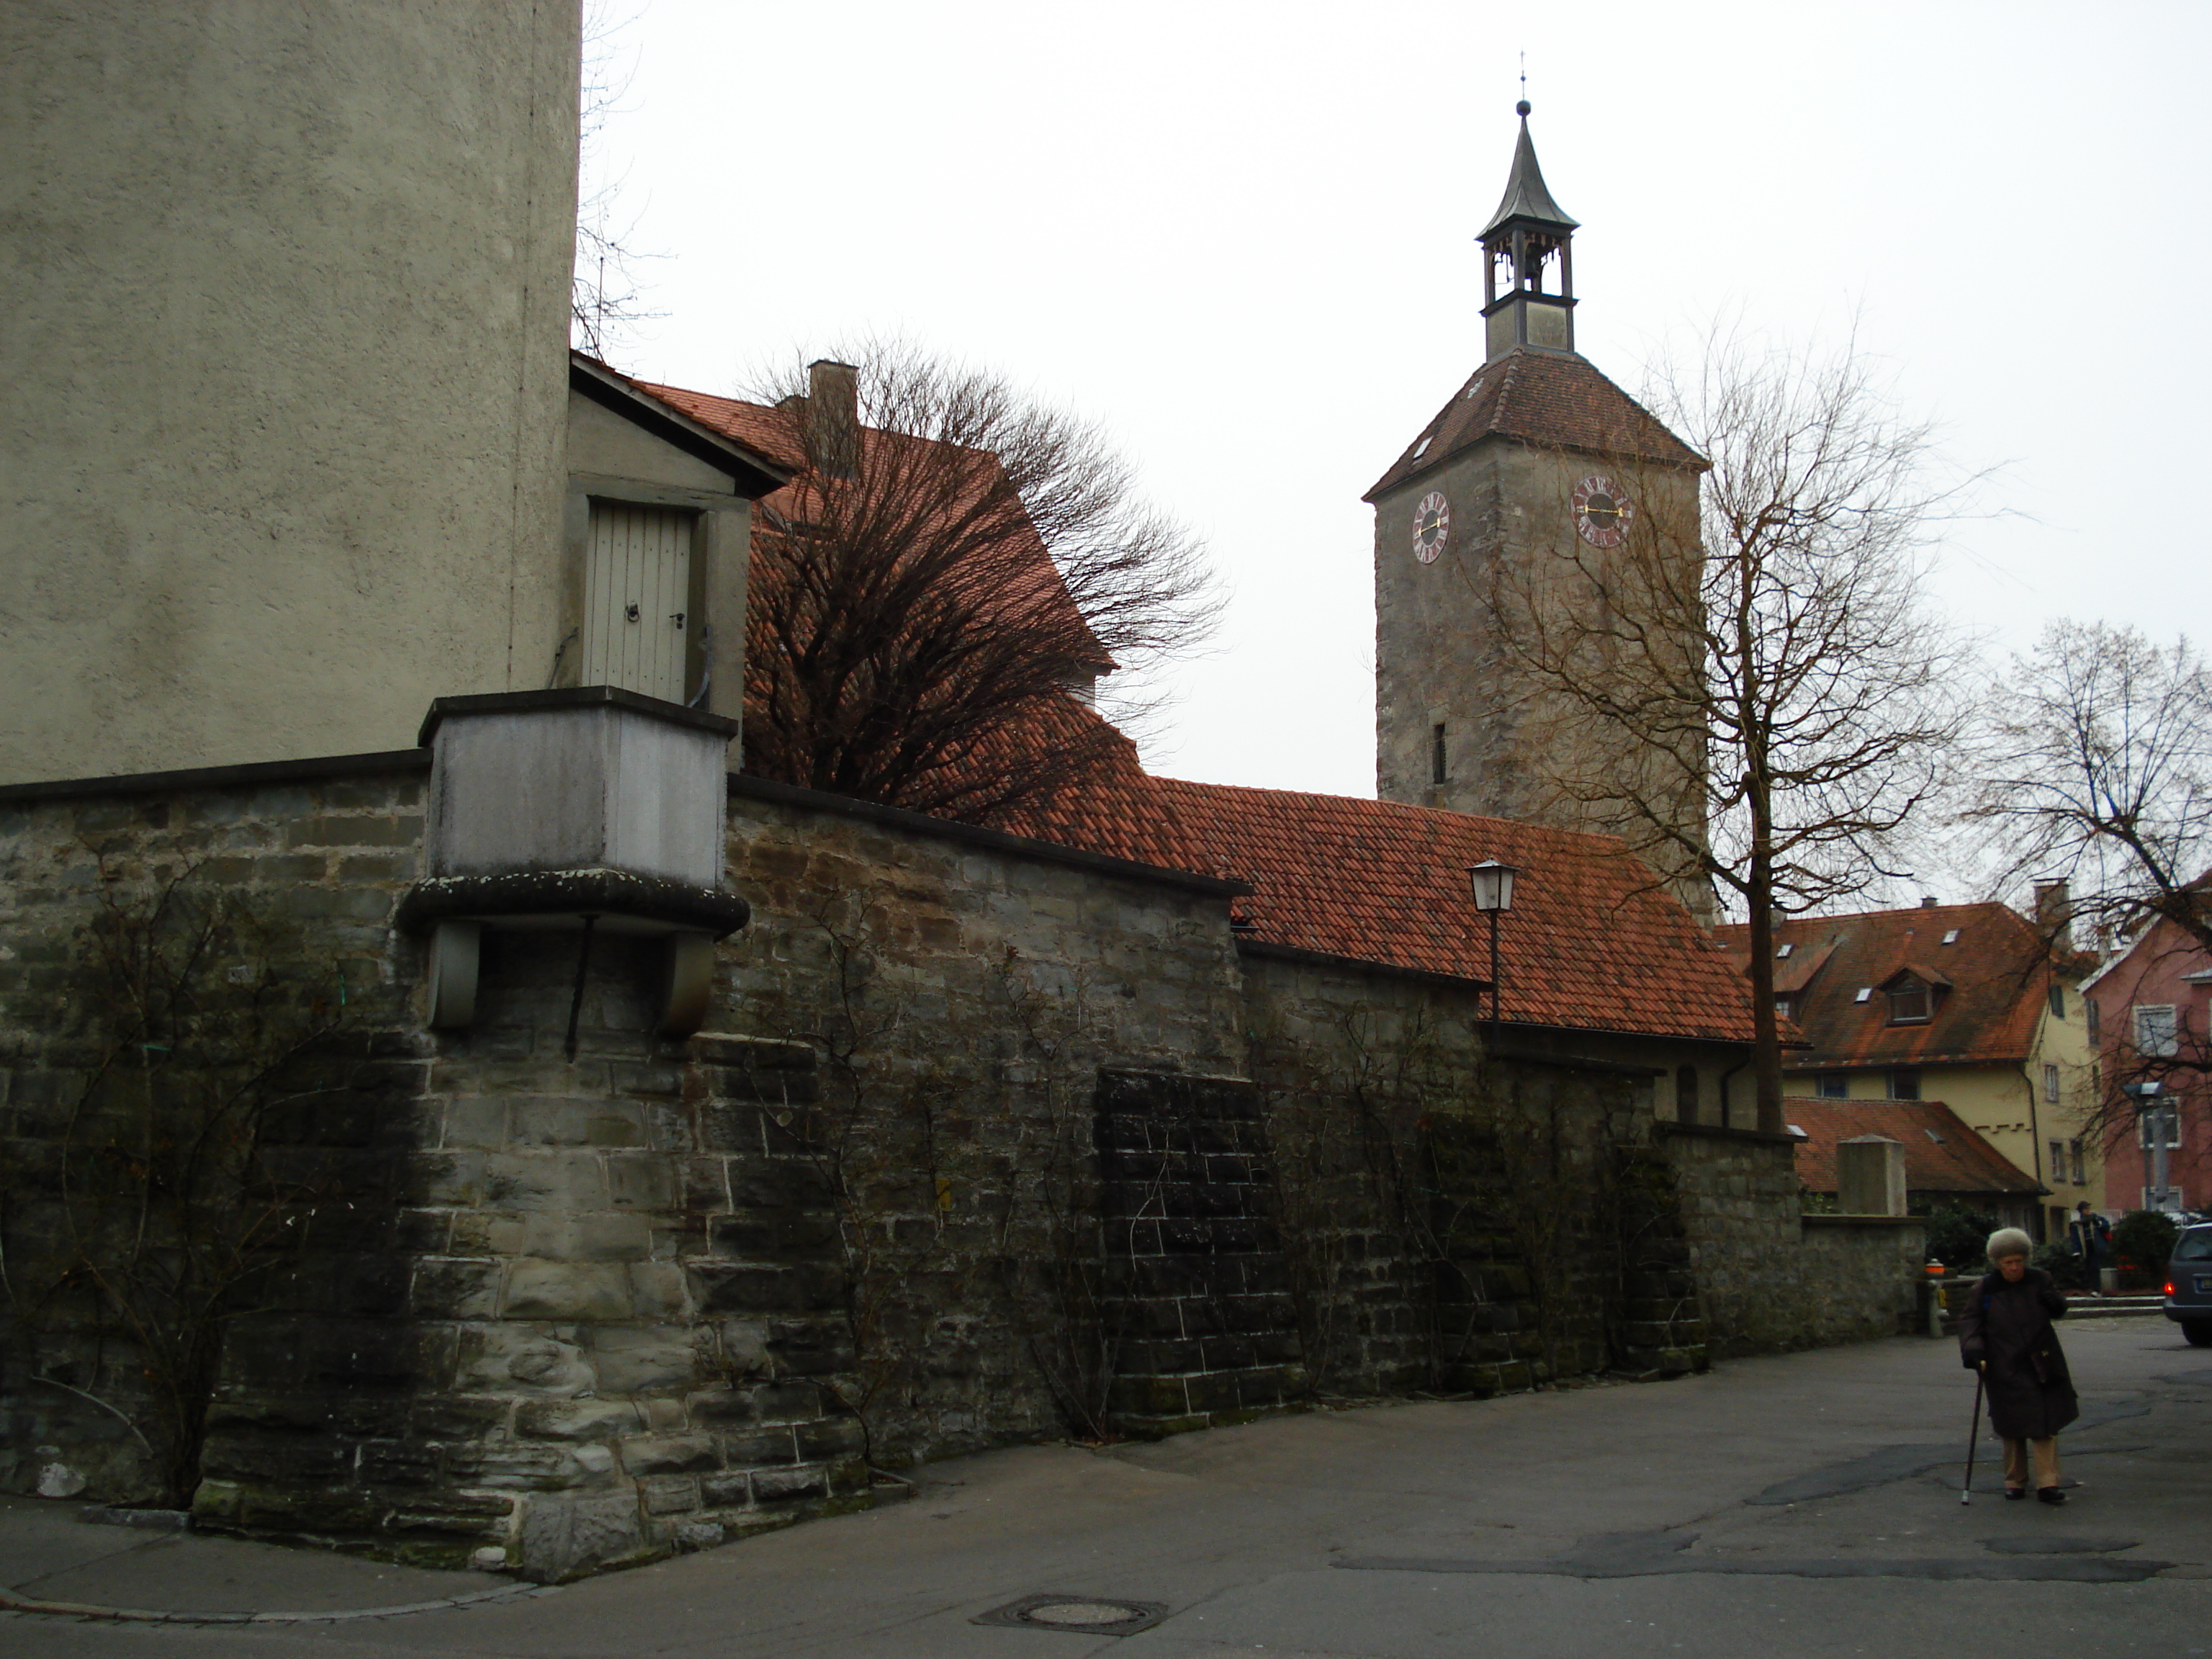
(1437, 770)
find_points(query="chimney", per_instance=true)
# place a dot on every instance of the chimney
(833, 419)
(2054, 913)
(1928, 901)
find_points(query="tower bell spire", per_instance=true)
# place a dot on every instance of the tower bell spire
(1529, 235)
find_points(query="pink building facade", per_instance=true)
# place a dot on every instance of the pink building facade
(2148, 1019)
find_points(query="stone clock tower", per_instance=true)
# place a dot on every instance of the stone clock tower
(1537, 464)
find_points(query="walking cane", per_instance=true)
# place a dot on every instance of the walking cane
(1973, 1434)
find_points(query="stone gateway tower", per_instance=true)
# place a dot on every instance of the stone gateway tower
(1537, 467)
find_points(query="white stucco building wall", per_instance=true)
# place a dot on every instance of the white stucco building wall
(282, 451)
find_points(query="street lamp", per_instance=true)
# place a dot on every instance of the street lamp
(2150, 1123)
(1493, 893)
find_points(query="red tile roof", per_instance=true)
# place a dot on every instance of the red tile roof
(1996, 972)
(1592, 942)
(1555, 400)
(1942, 1154)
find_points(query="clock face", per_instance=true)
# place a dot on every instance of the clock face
(1601, 511)
(1431, 526)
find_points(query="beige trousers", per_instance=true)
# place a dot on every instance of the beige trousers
(2046, 1461)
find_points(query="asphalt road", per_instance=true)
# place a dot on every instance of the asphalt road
(1806, 1504)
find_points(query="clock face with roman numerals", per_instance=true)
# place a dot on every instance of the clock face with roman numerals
(1601, 511)
(1431, 526)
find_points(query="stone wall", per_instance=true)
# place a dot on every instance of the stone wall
(966, 991)
(1861, 1276)
(1455, 1221)
(1771, 1278)
(1198, 1304)
(282, 878)
(992, 1142)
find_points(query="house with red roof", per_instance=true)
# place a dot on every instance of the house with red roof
(1972, 1005)
(1946, 1162)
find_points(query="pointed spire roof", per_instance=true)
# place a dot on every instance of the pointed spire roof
(1526, 196)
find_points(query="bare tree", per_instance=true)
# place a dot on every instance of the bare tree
(164, 1209)
(936, 596)
(1769, 709)
(605, 295)
(2093, 763)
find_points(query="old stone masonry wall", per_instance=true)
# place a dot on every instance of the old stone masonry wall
(1771, 1278)
(986, 1141)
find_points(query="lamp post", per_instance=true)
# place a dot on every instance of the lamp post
(1493, 894)
(2150, 1121)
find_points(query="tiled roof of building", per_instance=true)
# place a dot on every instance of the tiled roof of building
(1553, 399)
(755, 425)
(1592, 942)
(1992, 982)
(1942, 1154)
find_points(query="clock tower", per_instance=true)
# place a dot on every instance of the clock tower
(1537, 467)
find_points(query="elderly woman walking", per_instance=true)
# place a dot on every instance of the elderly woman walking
(2006, 1332)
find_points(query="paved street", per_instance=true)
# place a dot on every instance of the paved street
(1806, 1504)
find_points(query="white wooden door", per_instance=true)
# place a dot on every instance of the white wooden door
(637, 582)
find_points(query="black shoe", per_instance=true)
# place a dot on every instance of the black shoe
(2051, 1495)
(2015, 1493)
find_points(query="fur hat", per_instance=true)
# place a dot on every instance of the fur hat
(2009, 1241)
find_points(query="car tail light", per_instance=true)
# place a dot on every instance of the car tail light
(2169, 1287)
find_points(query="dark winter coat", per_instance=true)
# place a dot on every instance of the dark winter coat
(2009, 1326)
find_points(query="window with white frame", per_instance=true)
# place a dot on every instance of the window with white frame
(2073, 1156)
(2050, 1085)
(2089, 1016)
(2156, 1033)
(2159, 1125)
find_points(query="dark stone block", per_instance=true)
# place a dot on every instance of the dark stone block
(725, 1492)
(763, 1449)
(777, 1184)
(392, 1464)
(792, 1486)
(788, 1402)
(448, 1418)
(828, 1440)
(288, 1461)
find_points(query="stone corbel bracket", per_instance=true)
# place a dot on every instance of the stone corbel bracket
(454, 910)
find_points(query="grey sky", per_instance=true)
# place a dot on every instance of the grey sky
(1241, 236)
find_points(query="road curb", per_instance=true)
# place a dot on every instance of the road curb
(11, 1602)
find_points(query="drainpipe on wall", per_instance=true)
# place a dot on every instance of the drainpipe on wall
(1725, 1075)
(2035, 1142)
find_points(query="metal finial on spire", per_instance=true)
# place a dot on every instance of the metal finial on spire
(1521, 109)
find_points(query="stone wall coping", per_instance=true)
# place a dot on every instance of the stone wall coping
(746, 787)
(1815, 1221)
(1257, 947)
(1718, 1132)
(573, 697)
(250, 773)
(1580, 1062)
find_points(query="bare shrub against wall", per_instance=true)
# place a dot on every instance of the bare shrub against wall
(966, 1196)
(152, 1211)
(1454, 1222)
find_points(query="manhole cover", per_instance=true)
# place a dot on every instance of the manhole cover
(1085, 1615)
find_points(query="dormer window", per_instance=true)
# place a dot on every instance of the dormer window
(1910, 1001)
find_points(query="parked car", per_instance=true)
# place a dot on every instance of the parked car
(2189, 1286)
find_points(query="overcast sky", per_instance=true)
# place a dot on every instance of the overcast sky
(1242, 236)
